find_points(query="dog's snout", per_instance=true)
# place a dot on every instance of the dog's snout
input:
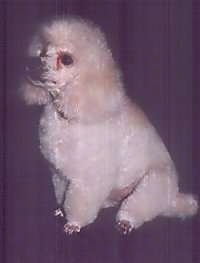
(34, 68)
(33, 63)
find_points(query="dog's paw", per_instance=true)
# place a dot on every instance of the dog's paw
(58, 213)
(70, 228)
(124, 227)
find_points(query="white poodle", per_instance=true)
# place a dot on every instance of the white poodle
(102, 147)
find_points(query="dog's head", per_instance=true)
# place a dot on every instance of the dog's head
(71, 55)
(64, 51)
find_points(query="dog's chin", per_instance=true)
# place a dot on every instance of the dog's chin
(41, 83)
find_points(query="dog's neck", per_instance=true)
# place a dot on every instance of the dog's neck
(80, 110)
(90, 98)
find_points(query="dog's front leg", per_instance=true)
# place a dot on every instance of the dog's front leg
(60, 184)
(81, 205)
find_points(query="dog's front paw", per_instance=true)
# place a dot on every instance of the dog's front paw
(71, 228)
(124, 226)
(58, 212)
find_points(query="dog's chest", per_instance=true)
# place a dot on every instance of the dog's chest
(69, 145)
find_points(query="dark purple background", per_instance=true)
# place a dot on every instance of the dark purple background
(157, 45)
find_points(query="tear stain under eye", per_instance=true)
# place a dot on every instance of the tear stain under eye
(58, 64)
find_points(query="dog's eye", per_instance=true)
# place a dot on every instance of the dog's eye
(66, 59)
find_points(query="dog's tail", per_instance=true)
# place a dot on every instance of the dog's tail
(183, 206)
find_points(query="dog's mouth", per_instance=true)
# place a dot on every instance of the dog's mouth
(36, 72)
(41, 82)
(37, 79)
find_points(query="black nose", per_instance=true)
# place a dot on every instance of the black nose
(34, 67)
(33, 63)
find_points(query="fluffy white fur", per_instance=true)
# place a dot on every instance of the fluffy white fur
(103, 148)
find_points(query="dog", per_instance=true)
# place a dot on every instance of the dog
(103, 149)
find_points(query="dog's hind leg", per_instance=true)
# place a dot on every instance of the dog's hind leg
(152, 196)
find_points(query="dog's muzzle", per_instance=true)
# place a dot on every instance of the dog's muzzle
(35, 69)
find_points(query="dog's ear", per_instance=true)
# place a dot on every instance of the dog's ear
(97, 96)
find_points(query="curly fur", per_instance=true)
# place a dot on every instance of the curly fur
(102, 146)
